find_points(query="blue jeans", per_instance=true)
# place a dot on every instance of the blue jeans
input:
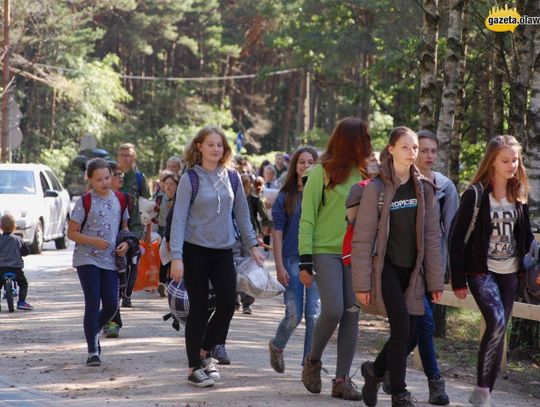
(98, 285)
(293, 299)
(426, 347)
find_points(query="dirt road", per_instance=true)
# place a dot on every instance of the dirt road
(43, 356)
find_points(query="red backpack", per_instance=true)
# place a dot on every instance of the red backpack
(123, 198)
(347, 239)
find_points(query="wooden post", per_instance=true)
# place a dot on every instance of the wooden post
(5, 82)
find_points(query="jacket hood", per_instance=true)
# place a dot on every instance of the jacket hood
(201, 171)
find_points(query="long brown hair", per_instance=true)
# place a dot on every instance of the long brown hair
(193, 156)
(348, 148)
(290, 186)
(517, 188)
(395, 134)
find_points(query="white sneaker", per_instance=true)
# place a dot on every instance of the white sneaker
(209, 367)
(480, 397)
(200, 379)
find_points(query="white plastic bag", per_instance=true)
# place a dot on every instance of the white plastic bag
(255, 280)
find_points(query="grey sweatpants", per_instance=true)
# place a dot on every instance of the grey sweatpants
(334, 281)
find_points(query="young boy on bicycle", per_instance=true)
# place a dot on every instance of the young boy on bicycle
(12, 250)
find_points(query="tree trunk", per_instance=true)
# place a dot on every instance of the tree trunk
(286, 127)
(522, 49)
(525, 333)
(300, 111)
(455, 141)
(532, 152)
(428, 65)
(498, 95)
(451, 79)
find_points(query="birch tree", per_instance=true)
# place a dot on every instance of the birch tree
(451, 80)
(428, 65)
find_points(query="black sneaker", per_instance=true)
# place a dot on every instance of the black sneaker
(93, 360)
(246, 309)
(200, 379)
(437, 393)
(126, 303)
(403, 399)
(371, 384)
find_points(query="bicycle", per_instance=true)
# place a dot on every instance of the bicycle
(10, 289)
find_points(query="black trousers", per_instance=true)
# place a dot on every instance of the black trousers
(20, 279)
(202, 264)
(403, 327)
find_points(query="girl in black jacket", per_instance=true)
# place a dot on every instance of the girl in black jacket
(490, 261)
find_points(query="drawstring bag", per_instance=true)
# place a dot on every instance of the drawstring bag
(178, 300)
(255, 280)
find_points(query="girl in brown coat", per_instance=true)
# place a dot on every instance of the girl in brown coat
(395, 255)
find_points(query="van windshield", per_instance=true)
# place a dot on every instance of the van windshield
(17, 182)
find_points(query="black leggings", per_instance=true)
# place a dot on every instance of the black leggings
(494, 293)
(403, 327)
(200, 265)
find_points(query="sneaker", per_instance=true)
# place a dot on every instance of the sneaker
(24, 306)
(126, 303)
(219, 353)
(93, 360)
(200, 379)
(111, 330)
(403, 399)
(386, 383)
(209, 367)
(371, 384)
(311, 375)
(246, 309)
(480, 397)
(276, 358)
(437, 393)
(162, 290)
(346, 390)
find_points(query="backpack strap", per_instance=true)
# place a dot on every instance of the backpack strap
(380, 202)
(87, 204)
(123, 199)
(234, 179)
(159, 199)
(138, 176)
(194, 181)
(478, 194)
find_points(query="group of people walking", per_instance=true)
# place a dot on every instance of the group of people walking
(400, 213)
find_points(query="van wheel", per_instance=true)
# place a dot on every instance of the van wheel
(37, 244)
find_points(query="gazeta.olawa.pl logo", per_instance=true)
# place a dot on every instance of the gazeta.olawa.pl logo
(507, 19)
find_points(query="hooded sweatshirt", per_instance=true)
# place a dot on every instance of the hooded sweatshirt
(448, 200)
(208, 222)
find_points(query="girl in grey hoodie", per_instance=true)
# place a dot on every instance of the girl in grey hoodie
(210, 203)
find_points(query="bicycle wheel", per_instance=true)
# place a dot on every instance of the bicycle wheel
(8, 289)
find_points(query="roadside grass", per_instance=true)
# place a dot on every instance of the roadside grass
(458, 352)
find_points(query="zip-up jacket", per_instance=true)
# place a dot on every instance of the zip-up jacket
(472, 258)
(368, 255)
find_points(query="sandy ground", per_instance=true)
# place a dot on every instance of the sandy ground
(43, 355)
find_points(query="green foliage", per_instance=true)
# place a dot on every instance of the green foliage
(59, 159)
(315, 137)
(470, 157)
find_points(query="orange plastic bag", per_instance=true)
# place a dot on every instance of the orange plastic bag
(148, 272)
